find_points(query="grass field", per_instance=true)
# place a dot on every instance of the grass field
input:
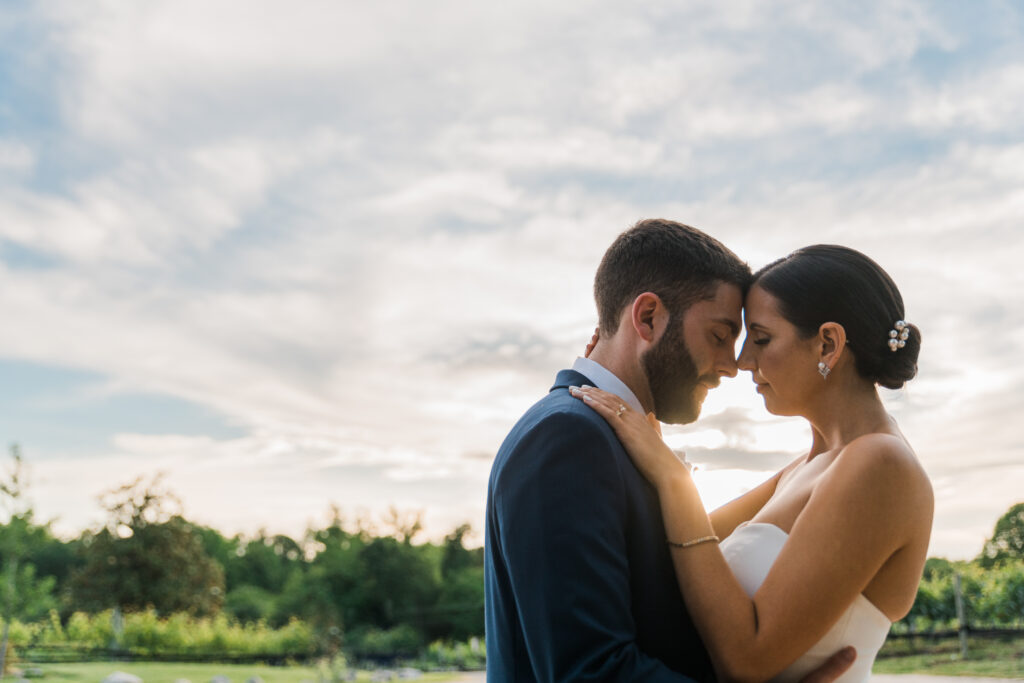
(1001, 657)
(168, 672)
(988, 657)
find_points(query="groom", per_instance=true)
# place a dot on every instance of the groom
(578, 578)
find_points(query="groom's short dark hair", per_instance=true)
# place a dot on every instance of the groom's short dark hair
(679, 263)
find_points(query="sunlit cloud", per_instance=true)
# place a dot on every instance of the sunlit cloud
(362, 239)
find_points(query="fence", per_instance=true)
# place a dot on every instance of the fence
(904, 642)
(52, 654)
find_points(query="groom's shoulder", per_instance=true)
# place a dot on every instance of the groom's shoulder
(559, 406)
(560, 409)
(557, 417)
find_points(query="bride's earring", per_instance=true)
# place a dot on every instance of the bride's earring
(823, 369)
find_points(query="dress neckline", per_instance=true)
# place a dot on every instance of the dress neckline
(752, 523)
(860, 596)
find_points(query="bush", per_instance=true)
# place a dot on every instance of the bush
(250, 603)
(470, 654)
(147, 633)
(87, 630)
(400, 641)
(992, 597)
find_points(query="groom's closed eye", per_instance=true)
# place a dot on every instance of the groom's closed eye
(723, 338)
(725, 330)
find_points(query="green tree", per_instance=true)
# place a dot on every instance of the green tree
(335, 575)
(398, 584)
(459, 611)
(1007, 542)
(455, 557)
(54, 558)
(937, 568)
(22, 595)
(930, 607)
(219, 547)
(264, 562)
(147, 556)
(1008, 593)
(250, 604)
(265, 577)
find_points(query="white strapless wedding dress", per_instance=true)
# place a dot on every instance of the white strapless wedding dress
(751, 551)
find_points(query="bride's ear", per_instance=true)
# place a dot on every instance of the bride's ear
(832, 337)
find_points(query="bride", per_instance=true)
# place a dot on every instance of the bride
(829, 551)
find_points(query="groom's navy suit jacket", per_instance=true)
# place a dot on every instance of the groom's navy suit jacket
(579, 582)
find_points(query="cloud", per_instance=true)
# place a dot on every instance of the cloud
(525, 144)
(244, 484)
(991, 103)
(732, 459)
(16, 157)
(366, 236)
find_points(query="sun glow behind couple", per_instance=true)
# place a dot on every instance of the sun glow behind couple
(759, 451)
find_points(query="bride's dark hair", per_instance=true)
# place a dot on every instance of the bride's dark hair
(828, 283)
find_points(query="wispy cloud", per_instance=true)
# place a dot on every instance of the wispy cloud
(365, 236)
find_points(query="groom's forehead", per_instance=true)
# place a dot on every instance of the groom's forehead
(725, 307)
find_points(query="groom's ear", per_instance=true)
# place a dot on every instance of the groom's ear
(648, 316)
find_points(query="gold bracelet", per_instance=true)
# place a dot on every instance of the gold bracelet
(696, 541)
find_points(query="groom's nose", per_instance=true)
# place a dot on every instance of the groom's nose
(726, 364)
(745, 361)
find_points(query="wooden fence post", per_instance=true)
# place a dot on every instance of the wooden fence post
(960, 615)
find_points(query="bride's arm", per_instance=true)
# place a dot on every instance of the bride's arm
(857, 518)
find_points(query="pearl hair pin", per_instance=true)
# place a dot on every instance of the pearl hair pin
(898, 337)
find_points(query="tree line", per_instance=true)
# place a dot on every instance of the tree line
(357, 585)
(991, 585)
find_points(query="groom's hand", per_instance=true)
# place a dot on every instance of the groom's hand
(835, 667)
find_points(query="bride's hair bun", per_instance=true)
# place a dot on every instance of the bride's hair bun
(828, 283)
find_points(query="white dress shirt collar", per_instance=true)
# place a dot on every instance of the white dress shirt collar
(605, 380)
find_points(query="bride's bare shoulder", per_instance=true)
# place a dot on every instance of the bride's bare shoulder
(883, 459)
(880, 446)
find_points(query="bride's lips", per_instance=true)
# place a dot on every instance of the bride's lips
(761, 386)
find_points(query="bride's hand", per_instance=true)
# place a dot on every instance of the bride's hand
(650, 454)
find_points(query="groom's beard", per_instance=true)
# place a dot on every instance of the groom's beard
(672, 377)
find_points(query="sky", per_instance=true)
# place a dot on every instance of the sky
(302, 255)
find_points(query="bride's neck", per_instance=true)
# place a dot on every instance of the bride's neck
(843, 414)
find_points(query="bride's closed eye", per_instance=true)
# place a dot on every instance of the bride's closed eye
(762, 341)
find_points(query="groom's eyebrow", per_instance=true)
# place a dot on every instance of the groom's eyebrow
(732, 325)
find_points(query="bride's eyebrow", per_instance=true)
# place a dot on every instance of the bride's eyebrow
(757, 326)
